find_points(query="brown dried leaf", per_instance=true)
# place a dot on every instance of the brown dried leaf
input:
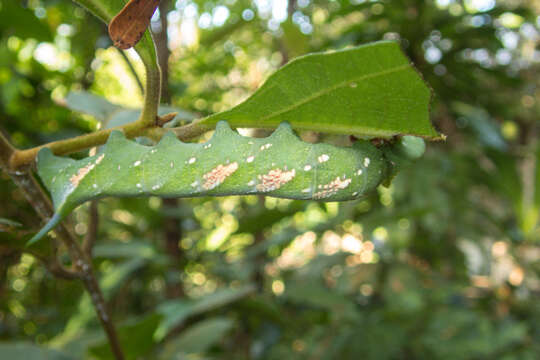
(129, 25)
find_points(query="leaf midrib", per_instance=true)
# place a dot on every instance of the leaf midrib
(323, 92)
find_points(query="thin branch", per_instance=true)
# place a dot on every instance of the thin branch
(23, 158)
(60, 271)
(132, 70)
(93, 226)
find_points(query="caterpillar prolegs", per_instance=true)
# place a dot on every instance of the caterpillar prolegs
(281, 165)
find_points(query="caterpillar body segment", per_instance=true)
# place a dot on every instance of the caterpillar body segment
(281, 165)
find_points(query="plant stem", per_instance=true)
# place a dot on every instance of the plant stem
(22, 158)
(152, 94)
(93, 226)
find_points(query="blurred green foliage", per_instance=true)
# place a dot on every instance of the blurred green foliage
(443, 264)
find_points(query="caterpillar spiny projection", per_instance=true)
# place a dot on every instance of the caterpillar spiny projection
(280, 165)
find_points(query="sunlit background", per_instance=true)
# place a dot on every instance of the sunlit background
(442, 264)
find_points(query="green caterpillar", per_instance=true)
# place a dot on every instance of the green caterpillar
(280, 165)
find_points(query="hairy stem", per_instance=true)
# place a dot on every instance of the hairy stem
(152, 94)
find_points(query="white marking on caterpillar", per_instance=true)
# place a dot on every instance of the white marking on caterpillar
(266, 146)
(306, 190)
(81, 173)
(153, 151)
(192, 160)
(218, 174)
(172, 164)
(155, 187)
(118, 168)
(355, 193)
(366, 162)
(94, 186)
(139, 185)
(359, 172)
(274, 179)
(332, 188)
(250, 159)
(207, 146)
(137, 163)
(307, 167)
(251, 183)
(323, 158)
(194, 184)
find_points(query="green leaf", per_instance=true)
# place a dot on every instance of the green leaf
(97, 106)
(29, 351)
(198, 338)
(135, 340)
(372, 90)
(176, 311)
(22, 22)
(8, 222)
(111, 115)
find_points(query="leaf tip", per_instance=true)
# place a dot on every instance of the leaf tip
(45, 229)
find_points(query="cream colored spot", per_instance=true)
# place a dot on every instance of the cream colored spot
(306, 190)
(194, 184)
(207, 146)
(217, 175)
(332, 188)
(355, 193)
(139, 185)
(323, 158)
(94, 186)
(250, 159)
(265, 146)
(307, 167)
(359, 172)
(155, 187)
(118, 168)
(366, 162)
(172, 164)
(251, 183)
(274, 179)
(81, 173)
(137, 163)
(192, 160)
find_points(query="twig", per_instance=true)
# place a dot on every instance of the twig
(132, 70)
(23, 158)
(93, 226)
